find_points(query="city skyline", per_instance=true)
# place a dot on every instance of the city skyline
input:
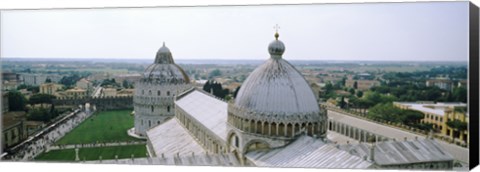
(414, 32)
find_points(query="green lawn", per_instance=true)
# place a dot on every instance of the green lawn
(107, 126)
(94, 153)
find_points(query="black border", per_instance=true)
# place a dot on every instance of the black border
(473, 85)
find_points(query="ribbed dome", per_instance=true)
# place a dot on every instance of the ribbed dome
(276, 87)
(164, 69)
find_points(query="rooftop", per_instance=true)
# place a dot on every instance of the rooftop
(401, 152)
(307, 152)
(170, 139)
(209, 111)
(432, 108)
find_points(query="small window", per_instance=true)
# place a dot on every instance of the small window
(142, 122)
(149, 123)
(152, 108)
(149, 92)
(143, 92)
(158, 122)
(168, 93)
(158, 92)
(168, 108)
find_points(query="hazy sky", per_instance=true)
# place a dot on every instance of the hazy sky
(383, 31)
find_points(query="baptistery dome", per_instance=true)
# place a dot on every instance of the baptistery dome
(164, 68)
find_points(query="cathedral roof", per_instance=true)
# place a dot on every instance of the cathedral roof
(165, 69)
(307, 152)
(276, 87)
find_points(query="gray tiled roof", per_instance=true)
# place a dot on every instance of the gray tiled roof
(401, 152)
(307, 152)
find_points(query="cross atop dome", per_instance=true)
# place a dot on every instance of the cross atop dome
(276, 27)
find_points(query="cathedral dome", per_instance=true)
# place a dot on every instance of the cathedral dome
(275, 101)
(164, 68)
(276, 87)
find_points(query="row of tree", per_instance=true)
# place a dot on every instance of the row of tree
(216, 89)
(18, 102)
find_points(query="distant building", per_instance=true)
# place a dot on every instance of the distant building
(199, 83)
(72, 93)
(130, 78)
(109, 92)
(38, 79)
(50, 88)
(362, 85)
(126, 92)
(85, 84)
(439, 114)
(9, 76)
(443, 83)
(13, 128)
(462, 83)
(5, 102)
(10, 85)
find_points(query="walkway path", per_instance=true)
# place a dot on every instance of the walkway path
(40, 143)
(94, 145)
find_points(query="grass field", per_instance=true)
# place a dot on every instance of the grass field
(107, 126)
(94, 153)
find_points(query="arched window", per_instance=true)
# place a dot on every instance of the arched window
(158, 92)
(149, 123)
(149, 92)
(168, 93)
(152, 108)
(168, 108)
(236, 142)
(158, 122)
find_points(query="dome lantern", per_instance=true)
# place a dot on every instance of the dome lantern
(164, 56)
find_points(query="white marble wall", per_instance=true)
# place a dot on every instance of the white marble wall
(154, 103)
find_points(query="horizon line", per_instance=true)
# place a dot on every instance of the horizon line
(204, 59)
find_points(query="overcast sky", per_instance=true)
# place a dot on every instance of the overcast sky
(383, 31)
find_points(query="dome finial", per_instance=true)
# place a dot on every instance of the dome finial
(163, 44)
(276, 27)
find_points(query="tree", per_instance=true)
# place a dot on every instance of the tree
(48, 80)
(41, 99)
(16, 101)
(352, 91)
(460, 94)
(216, 89)
(214, 73)
(342, 102)
(125, 84)
(412, 117)
(458, 127)
(70, 80)
(359, 93)
(236, 92)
